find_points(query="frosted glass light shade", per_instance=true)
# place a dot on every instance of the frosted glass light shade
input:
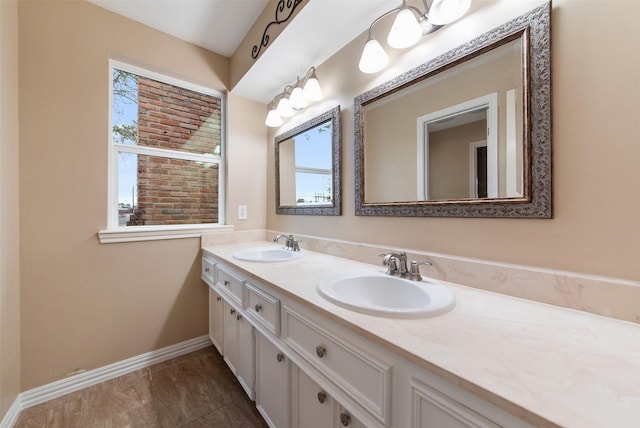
(297, 99)
(284, 108)
(406, 30)
(273, 119)
(311, 90)
(443, 12)
(373, 58)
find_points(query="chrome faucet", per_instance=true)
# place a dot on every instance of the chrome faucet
(291, 243)
(397, 266)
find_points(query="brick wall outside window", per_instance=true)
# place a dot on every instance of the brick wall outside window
(174, 191)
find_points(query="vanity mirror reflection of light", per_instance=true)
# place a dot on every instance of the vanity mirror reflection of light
(467, 134)
(308, 167)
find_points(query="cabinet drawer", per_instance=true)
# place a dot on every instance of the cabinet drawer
(431, 407)
(209, 271)
(264, 308)
(354, 370)
(231, 285)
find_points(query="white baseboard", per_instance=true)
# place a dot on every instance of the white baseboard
(74, 383)
(12, 414)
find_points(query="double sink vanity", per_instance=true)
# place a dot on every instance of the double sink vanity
(314, 349)
(332, 335)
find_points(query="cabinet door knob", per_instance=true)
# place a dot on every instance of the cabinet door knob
(258, 307)
(206, 270)
(227, 283)
(320, 351)
(322, 397)
(279, 357)
(238, 317)
(345, 419)
(218, 298)
(232, 311)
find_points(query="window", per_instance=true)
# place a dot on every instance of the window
(166, 162)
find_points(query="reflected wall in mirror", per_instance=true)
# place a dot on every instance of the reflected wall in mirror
(467, 134)
(308, 167)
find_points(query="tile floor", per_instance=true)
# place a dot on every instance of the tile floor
(194, 390)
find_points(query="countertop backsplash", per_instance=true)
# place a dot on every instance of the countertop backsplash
(606, 296)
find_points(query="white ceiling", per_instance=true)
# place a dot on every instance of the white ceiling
(216, 25)
(320, 29)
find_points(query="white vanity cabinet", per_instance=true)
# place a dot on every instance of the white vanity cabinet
(431, 408)
(354, 369)
(239, 346)
(272, 383)
(310, 371)
(231, 333)
(216, 313)
(313, 407)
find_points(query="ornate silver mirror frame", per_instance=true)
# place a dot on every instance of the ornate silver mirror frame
(534, 29)
(334, 207)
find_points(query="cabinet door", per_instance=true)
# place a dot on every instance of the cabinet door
(272, 383)
(313, 407)
(346, 419)
(245, 365)
(215, 319)
(230, 336)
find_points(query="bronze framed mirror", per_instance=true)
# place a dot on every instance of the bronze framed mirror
(308, 167)
(467, 134)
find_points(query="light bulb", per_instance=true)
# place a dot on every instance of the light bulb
(273, 119)
(311, 90)
(406, 30)
(373, 58)
(297, 99)
(284, 108)
(443, 12)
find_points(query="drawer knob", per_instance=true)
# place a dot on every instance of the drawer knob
(227, 283)
(232, 311)
(279, 357)
(345, 419)
(320, 351)
(258, 307)
(238, 317)
(218, 298)
(322, 397)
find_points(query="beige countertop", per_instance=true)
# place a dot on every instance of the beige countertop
(548, 365)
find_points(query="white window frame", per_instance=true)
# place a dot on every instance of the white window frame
(116, 233)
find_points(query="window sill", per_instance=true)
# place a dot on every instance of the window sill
(155, 233)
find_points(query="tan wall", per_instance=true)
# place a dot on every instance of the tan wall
(9, 219)
(595, 147)
(85, 304)
(449, 160)
(247, 165)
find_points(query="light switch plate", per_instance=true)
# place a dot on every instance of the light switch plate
(242, 212)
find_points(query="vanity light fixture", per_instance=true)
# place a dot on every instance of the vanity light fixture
(294, 98)
(409, 26)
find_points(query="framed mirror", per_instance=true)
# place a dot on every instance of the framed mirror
(467, 134)
(308, 167)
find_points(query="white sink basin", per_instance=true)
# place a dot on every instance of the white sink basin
(376, 293)
(268, 254)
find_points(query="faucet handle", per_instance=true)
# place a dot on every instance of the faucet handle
(390, 260)
(414, 270)
(295, 244)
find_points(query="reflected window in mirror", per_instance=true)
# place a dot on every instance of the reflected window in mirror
(308, 167)
(467, 134)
